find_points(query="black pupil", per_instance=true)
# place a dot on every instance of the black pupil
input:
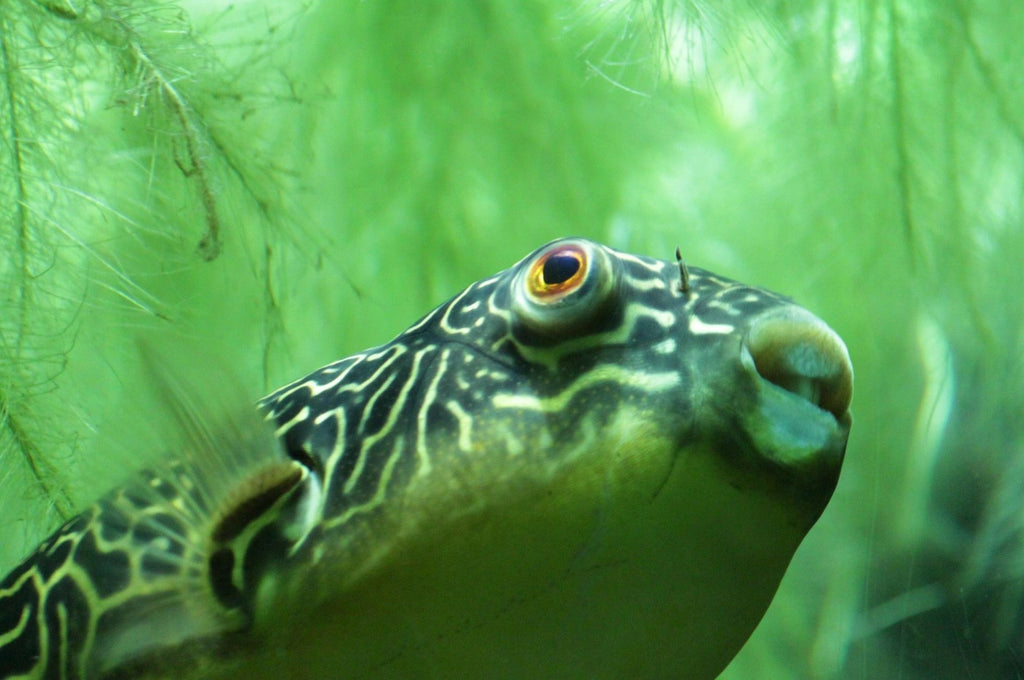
(560, 268)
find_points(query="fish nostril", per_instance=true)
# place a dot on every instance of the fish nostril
(798, 352)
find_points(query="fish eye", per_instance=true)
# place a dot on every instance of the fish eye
(557, 272)
(563, 286)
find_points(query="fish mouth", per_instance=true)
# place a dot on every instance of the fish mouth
(803, 387)
(795, 350)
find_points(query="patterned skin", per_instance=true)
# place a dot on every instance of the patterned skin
(591, 465)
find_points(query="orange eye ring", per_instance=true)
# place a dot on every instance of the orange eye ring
(559, 272)
(564, 287)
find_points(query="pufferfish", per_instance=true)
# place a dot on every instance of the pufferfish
(590, 465)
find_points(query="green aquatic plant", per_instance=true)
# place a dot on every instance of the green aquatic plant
(131, 146)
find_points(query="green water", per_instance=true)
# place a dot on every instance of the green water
(280, 184)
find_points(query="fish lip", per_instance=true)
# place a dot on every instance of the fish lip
(799, 429)
(798, 434)
(797, 351)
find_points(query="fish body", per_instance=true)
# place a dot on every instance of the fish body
(590, 465)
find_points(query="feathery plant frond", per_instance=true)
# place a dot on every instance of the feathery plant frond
(644, 46)
(128, 140)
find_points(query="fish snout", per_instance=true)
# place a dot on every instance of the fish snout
(798, 352)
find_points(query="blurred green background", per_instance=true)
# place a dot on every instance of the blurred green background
(252, 189)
